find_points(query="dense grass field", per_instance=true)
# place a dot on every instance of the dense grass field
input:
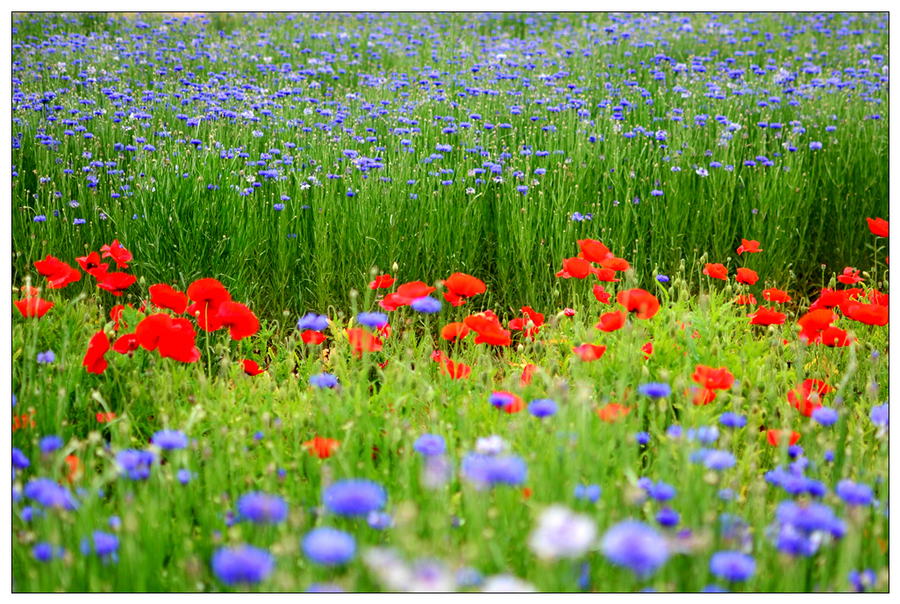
(450, 302)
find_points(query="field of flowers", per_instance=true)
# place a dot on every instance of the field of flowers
(455, 302)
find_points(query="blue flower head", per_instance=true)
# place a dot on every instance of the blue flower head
(323, 380)
(262, 508)
(542, 407)
(313, 321)
(825, 416)
(135, 463)
(354, 497)
(372, 319)
(51, 443)
(491, 470)
(430, 445)
(426, 305)
(328, 546)
(732, 566)
(170, 439)
(654, 390)
(244, 564)
(635, 546)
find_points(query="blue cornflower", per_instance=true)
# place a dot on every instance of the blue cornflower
(861, 581)
(590, 492)
(732, 566)
(815, 145)
(719, 460)
(278, 207)
(243, 564)
(379, 520)
(40, 218)
(170, 440)
(45, 552)
(135, 463)
(707, 435)
(51, 443)
(430, 445)
(642, 438)
(354, 497)
(106, 545)
(323, 380)
(667, 517)
(262, 508)
(654, 390)
(662, 278)
(660, 491)
(656, 193)
(372, 319)
(542, 407)
(674, 432)
(854, 493)
(78, 221)
(636, 546)
(732, 420)
(184, 476)
(490, 470)
(825, 416)
(426, 304)
(313, 321)
(19, 460)
(45, 358)
(880, 415)
(328, 546)
(49, 494)
(522, 189)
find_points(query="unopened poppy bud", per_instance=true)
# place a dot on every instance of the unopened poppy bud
(538, 347)
(219, 349)
(645, 373)
(142, 281)
(683, 296)
(728, 291)
(664, 375)
(373, 272)
(354, 294)
(520, 348)
(556, 293)
(395, 267)
(865, 274)
(286, 313)
(832, 283)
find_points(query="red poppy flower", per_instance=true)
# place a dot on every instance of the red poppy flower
(606, 275)
(117, 253)
(876, 297)
(569, 312)
(713, 379)
(615, 264)
(879, 227)
(776, 295)
(589, 352)
(164, 296)
(393, 301)
(126, 344)
(747, 276)
(743, 300)
(488, 328)
(716, 271)
(613, 411)
(639, 301)
(601, 294)
(513, 403)
(94, 359)
(321, 447)
(767, 316)
(454, 331)
(115, 313)
(58, 273)
(464, 285)
(453, 299)
(105, 417)
(240, 320)
(207, 295)
(73, 467)
(647, 349)
(381, 282)
(414, 289)
(611, 321)
(807, 397)
(33, 306)
(593, 250)
(91, 265)
(526, 492)
(830, 298)
(834, 337)
(849, 277)
(532, 317)
(528, 374)
(814, 322)
(574, 267)
(29, 291)
(702, 396)
(869, 314)
(173, 337)
(750, 247)
(312, 338)
(776, 436)
(384, 331)
(116, 283)
(362, 341)
(251, 367)
(456, 370)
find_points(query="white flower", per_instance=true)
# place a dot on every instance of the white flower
(562, 533)
(492, 445)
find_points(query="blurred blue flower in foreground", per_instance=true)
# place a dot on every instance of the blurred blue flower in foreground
(262, 508)
(635, 546)
(243, 564)
(328, 546)
(354, 497)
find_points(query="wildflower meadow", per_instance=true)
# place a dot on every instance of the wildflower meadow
(450, 302)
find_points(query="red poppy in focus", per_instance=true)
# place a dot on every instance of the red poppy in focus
(601, 294)
(746, 276)
(615, 264)
(528, 374)
(593, 250)
(611, 321)
(393, 301)
(750, 247)
(488, 328)
(639, 301)
(454, 331)
(251, 367)
(381, 282)
(711, 378)
(456, 370)
(849, 277)
(834, 337)
(321, 447)
(312, 338)
(532, 317)
(414, 289)
(94, 359)
(569, 312)
(876, 297)
(453, 299)
(91, 265)
(869, 314)
(776, 295)
(745, 300)
(831, 298)
(606, 275)
(58, 273)
(776, 436)
(105, 417)
(207, 294)
(702, 396)
(814, 322)
(613, 411)
(589, 352)
(240, 320)
(115, 313)
(33, 306)
(362, 341)
(879, 227)
(116, 283)
(164, 296)
(574, 267)
(767, 316)
(647, 349)
(173, 337)
(716, 271)
(126, 344)
(117, 253)
(464, 285)
(807, 397)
